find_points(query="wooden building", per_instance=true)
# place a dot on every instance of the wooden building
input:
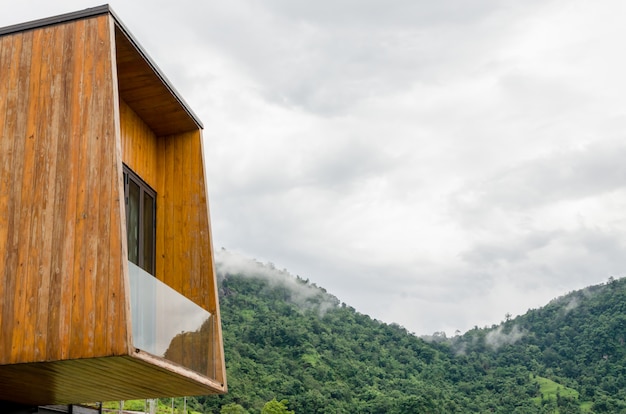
(107, 281)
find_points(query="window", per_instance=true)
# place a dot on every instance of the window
(140, 220)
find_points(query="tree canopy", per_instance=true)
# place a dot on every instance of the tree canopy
(323, 356)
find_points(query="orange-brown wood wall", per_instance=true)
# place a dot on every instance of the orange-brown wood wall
(64, 132)
(62, 260)
(173, 165)
(139, 145)
(184, 245)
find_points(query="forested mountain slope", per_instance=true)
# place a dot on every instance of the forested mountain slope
(577, 340)
(285, 338)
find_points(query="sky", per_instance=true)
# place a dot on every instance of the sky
(433, 164)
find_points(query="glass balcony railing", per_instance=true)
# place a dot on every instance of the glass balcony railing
(169, 325)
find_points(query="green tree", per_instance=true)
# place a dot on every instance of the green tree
(233, 408)
(276, 407)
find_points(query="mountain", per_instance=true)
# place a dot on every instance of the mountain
(287, 339)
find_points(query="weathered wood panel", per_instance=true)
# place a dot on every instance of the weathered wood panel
(139, 145)
(61, 259)
(16, 56)
(184, 244)
(5, 62)
(182, 220)
(41, 247)
(173, 166)
(62, 228)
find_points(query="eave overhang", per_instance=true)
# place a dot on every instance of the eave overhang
(142, 85)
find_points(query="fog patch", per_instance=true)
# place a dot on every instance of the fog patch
(436, 337)
(573, 300)
(303, 294)
(497, 338)
(571, 305)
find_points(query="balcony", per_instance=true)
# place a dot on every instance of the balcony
(168, 325)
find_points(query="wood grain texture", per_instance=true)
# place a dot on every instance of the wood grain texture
(62, 259)
(174, 166)
(139, 145)
(184, 260)
(184, 242)
(61, 232)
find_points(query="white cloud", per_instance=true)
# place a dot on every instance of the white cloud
(301, 293)
(498, 338)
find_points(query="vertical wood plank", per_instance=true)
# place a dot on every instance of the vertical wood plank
(93, 208)
(81, 173)
(26, 147)
(17, 104)
(8, 86)
(186, 216)
(46, 182)
(6, 44)
(139, 146)
(61, 200)
(103, 185)
(118, 333)
(43, 198)
(69, 285)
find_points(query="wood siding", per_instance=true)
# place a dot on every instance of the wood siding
(70, 115)
(173, 166)
(184, 242)
(139, 145)
(62, 262)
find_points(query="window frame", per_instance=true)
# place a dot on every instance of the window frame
(144, 188)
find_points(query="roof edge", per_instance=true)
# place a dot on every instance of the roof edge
(62, 18)
(97, 11)
(155, 68)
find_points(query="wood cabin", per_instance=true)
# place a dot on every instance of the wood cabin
(107, 281)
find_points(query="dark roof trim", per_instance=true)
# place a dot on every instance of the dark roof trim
(62, 18)
(97, 11)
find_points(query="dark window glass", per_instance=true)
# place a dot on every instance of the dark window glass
(132, 221)
(148, 232)
(140, 220)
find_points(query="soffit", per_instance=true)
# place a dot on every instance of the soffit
(141, 83)
(146, 90)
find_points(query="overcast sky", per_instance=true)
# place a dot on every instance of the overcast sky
(437, 164)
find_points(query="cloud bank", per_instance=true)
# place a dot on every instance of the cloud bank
(435, 164)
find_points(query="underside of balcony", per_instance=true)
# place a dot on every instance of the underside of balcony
(140, 375)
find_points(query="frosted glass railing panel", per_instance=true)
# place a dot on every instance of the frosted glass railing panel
(169, 325)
